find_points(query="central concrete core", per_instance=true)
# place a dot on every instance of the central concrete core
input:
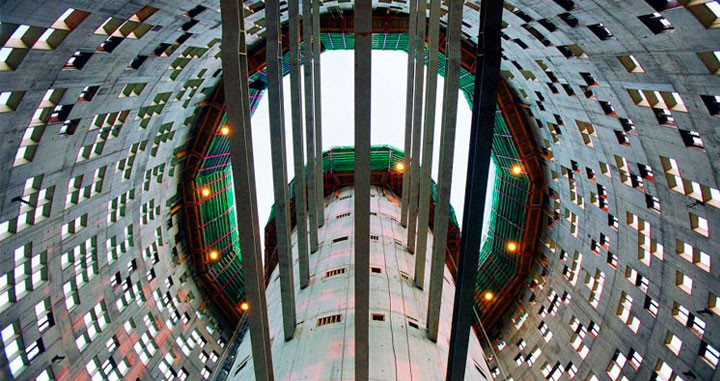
(323, 345)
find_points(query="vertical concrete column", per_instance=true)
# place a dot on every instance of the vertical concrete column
(298, 143)
(417, 126)
(279, 166)
(447, 152)
(409, 112)
(234, 62)
(428, 141)
(310, 123)
(318, 113)
(363, 54)
(487, 75)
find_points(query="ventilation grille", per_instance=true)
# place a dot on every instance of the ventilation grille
(332, 319)
(334, 272)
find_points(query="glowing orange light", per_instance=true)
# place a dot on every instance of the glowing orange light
(488, 296)
(205, 192)
(400, 167)
(225, 130)
(244, 306)
(511, 246)
(516, 170)
(214, 255)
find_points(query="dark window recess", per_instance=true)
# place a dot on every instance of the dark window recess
(636, 182)
(627, 125)
(522, 15)
(60, 113)
(601, 31)
(413, 324)
(607, 108)
(587, 91)
(557, 129)
(216, 73)
(376, 270)
(186, 26)
(539, 36)
(656, 22)
(575, 166)
(110, 44)
(551, 76)
(589, 79)
(565, 4)
(622, 138)
(88, 93)
(374, 237)
(602, 190)
(691, 139)
(553, 88)
(547, 24)
(568, 90)
(613, 221)
(69, 127)
(559, 120)
(661, 5)
(378, 317)
(565, 51)
(137, 62)
(504, 36)
(160, 49)
(664, 117)
(195, 11)
(646, 172)
(569, 19)
(652, 202)
(340, 239)
(540, 96)
(77, 61)
(712, 102)
(590, 173)
(183, 38)
(520, 43)
(517, 65)
(540, 106)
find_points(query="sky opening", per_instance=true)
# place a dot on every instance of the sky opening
(389, 72)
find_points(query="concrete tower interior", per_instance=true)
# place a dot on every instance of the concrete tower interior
(130, 245)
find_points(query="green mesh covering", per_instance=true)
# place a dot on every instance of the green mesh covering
(382, 157)
(509, 199)
(219, 231)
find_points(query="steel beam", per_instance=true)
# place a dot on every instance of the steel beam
(310, 123)
(318, 113)
(279, 167)
(234, 62)
(447, 152)
(298, 143)
(409, 112)
(363, 54)
(428, 141)
(487, 76)
(417, 126)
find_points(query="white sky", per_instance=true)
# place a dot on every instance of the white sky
(389, 72)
